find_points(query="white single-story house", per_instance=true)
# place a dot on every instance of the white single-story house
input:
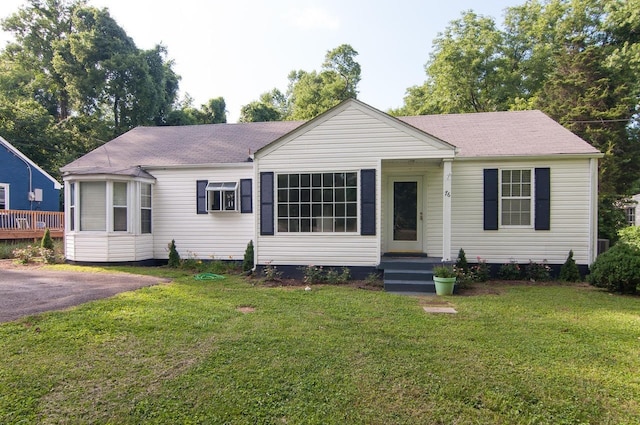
(344, 189)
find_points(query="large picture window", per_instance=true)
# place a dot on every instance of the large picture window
(515, 197)
(317, 202)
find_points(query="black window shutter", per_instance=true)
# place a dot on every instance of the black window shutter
(266, 203)
(201, 196)
(246, 198)
(491, 199)
(543, 199)
(368, 202)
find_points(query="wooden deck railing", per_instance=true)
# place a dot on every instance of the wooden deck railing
(22, 224)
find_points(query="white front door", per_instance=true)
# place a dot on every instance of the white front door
(405, 213)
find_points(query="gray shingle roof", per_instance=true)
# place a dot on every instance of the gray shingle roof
(514, 133)
(180, 145)
(489, 134)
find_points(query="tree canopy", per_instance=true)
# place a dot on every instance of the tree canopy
(576, 60)
(310, 93)
(73, 79)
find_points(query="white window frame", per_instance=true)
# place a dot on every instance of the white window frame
(144, 207)
(72, 206)
(630, 215)
(226, 195)
(119, 207)
(5, 186)
(530, 197)
(310, 222)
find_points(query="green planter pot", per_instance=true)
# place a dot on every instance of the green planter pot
(444, 285)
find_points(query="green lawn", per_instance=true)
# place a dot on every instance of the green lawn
(186, 353)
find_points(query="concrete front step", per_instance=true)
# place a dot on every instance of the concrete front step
(409, 274)
(412, 275)
(409, 286)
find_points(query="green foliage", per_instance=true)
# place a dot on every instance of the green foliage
(445, 271)
(73, 79)
(174, 255)
(577, 61)
(569, 271)
(374, 279)
(617, 270)
(318, 274)
(46, 241)
(537, 272)
(173, 353)
(271, 273)
(510, 271)
(611, 218)
(630, 235)
(461, 261)
(310, 93)
(478, 272)
(24, 255)
(247, 262)
(49, 255)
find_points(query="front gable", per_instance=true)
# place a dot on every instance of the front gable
(351, 130)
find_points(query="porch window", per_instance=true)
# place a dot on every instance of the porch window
(317, 202)
(4, 196)
(145, 208)
(515, 197)
(222, 196)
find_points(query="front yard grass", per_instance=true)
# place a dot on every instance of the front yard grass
(228, 352)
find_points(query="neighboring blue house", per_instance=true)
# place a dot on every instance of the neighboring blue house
(24, 185)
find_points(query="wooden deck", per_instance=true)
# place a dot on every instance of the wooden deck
(21, 224)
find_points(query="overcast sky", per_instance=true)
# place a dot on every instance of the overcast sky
(239, 49)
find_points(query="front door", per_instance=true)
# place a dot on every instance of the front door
(405, 226)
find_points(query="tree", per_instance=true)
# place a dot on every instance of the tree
(310, 93)
(272, 106)
(73, 79)
(39, 28)
(213, 112)
(577, 61)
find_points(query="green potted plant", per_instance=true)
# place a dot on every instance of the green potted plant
(445, 278)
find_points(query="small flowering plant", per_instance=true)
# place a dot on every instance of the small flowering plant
(444, 271)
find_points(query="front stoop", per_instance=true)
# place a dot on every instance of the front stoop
(409, 274)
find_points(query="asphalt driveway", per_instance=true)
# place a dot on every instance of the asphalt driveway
(31, 290)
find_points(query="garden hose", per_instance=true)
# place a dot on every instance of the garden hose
(208, 276)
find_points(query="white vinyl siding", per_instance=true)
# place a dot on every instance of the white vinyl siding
(205, 236)
(351, 139)
(570, 221)
(104, 247)
(99, 244)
